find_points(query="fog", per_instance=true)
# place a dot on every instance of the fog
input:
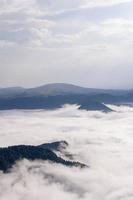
(103, 141)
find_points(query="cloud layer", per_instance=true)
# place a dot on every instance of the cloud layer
(87, 42)
(103, 141)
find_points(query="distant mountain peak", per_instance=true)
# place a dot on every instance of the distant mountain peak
(53, 89)
(55, 95)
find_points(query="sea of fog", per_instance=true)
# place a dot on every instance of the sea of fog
(103, 141)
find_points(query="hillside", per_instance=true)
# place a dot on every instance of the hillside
(52, 96)
(55, 89)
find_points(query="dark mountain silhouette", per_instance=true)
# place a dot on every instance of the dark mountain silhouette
(10, 155)
(55, 146)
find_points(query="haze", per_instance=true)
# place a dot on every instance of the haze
(87, 43)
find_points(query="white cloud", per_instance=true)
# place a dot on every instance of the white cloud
(102, 3)
(103, 141)
(19, 19)
(62, 6)
(24, 22)
(15, 6)
(4, 43)
(28, 20)
(64, 36)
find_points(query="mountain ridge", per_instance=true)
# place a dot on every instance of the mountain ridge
(56, 89)
(53, 96)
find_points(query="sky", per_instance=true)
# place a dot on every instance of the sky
(102, 141)
(83, 42)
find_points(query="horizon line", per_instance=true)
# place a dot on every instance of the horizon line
(72, 84)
